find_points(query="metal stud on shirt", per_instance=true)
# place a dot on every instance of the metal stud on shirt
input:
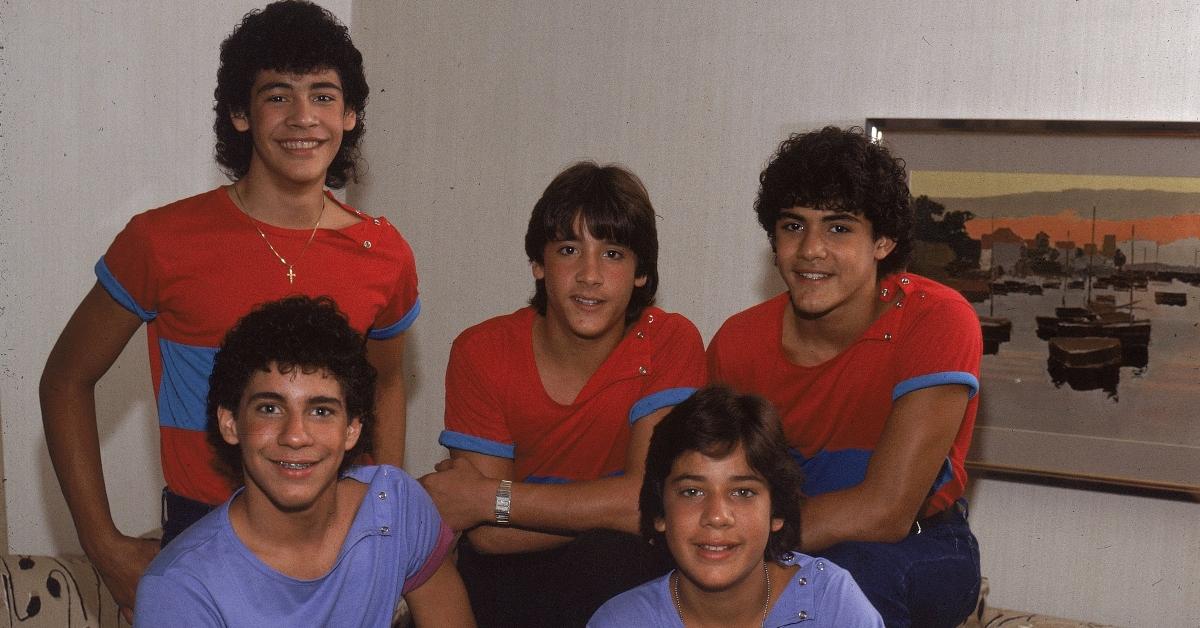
(366, 244)
(382, 495)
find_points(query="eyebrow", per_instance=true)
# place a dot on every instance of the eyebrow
(267, 395)
(266, 87)
(688, 477)
(829, 216)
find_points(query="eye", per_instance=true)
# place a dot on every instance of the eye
(791, 226)
(276, 98)
(323, 411)
(690, 492)
(267, 408)
(744, 493)
(614, 254)
(325, 98)
(840, 228)
(566, 249)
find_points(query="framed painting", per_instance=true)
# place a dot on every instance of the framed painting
(1078, 243)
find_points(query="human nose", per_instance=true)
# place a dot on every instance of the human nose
(302, 113)
(588, 271)
(717, 513)
(811, 246)
(295, 432)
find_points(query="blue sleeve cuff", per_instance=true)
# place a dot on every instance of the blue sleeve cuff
(119, 293)
(398, 327)
(466, 442)
(657, 401)
(937, 379)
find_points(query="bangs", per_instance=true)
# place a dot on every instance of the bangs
(603, 218)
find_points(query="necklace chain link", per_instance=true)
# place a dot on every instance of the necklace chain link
(766, 603)
(291, 273)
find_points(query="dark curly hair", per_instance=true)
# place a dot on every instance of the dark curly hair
(840, 170)
(615, 206)
(714, 421)
(294, 37)
(297, 332)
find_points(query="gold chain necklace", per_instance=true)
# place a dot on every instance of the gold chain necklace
(679, 607)
(291, 272)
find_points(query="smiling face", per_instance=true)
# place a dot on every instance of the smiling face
(588, 285)
(717, 521)
(293, 431)
(828, 260)
(296, 122)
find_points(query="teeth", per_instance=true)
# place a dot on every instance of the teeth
(294, 466)
(813, 275)
(715, 548)
(587, 301)
(299, 144)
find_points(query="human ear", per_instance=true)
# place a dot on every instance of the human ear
(227, 423)
(539, 271)
(660, 524)
(884, 247)
(349, 120)
(353, 431)
(776, 524)
(240, 121)
(640, 281)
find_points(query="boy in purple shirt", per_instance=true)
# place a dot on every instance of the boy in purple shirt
(722, 493)
(307, 541)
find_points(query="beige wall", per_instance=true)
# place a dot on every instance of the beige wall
(476, 106)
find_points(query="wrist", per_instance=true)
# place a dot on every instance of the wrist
(502, 506)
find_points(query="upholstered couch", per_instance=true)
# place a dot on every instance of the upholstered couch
(65, 591)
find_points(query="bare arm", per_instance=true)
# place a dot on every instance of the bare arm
(914, 443)
(465, 494)
(92, 340)
(441, 600)
(387, 356)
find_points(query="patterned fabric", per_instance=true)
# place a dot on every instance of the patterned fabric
(496, 405)
(62, 592)
(191, 269)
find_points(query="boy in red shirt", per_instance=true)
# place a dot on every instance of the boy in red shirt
(549, 411)
(874, 372)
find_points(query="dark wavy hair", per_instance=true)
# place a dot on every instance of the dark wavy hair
(294, 37)
(714, 421)
(615, 206)
(840, 170)
(297, 332)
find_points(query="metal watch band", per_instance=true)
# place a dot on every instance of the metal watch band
(503, 502)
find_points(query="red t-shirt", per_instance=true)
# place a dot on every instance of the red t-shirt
(834, 413)
(496, 405)
(191, 269)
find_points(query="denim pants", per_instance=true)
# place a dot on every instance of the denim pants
(927, 580)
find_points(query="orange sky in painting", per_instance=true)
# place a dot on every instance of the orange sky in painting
(1163, 229)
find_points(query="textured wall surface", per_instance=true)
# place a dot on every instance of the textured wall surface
(476, 107)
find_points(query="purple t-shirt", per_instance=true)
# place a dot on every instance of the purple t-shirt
(819, 593)
(207, 576)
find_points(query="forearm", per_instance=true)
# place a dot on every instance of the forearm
(491, 539)
(851, 515)
(610, 503)
(69, 420)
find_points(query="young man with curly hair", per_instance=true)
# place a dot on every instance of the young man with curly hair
(722, 493)
(290, 105)
(874, 371)
(308, 540)
(549, 411)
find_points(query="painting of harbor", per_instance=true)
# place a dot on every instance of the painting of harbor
(1087, 289)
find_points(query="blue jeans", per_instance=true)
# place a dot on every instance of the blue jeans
(927, 580)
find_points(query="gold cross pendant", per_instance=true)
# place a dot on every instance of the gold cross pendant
(291, 275)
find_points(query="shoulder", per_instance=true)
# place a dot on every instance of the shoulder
(192, 551)
(751, 322)
(932, 303)
(646, 605)
(193, 209)
(496, 331)
(656, 322)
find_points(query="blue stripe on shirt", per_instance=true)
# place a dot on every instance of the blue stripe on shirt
(183, 388)
(398, 327)
(937, 379)
(662, 399)
(119, 293)
(466, 442)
